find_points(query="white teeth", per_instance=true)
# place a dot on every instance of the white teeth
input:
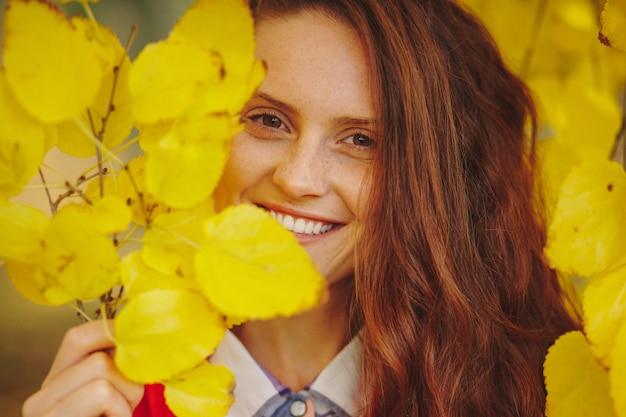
(300, 225)
(288, 222)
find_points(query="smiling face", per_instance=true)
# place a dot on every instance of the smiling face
(308, 141)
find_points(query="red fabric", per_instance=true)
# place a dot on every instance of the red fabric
(153, 403)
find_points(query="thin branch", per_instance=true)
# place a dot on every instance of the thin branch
(96, 142)
(53, 208)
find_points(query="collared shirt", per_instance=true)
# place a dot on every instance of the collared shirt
(334, 391)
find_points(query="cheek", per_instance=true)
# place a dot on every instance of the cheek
(356, 189)
(245, 168)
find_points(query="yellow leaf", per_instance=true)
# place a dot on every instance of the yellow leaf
(576, 383)
(79, 262)
(251, 267)
(160, 89)
(23, 229)
(604, 306)
(137, 277)
(204, 391)
(117, 111)
(111, 214)
(161, 333)
(581, 117)
(24, 279)
(617, 373)
(129, 185)
(182, 174)
(150, 135)
(223, 26)
(53, 69)
(586, 233)
(171, 243)
(22, 143)
(556, 160)
(613, 24)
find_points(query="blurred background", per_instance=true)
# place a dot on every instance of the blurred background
(29, 333)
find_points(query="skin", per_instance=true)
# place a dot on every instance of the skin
(305, 151)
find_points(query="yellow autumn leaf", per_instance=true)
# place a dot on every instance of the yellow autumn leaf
(498, 15)
(22, 143)
(576, 383)
(111, 214)
(225, 27)
(251, 267)
(109, 105)
(604, 307)
(171, 242)
(581, 117)
(79, 261)
(24, 279)
(586, 233)
(150, 135)
(570, 28)
(137, 277)
(161, 333)
(204, 391)
(160, 90)
(182, 174)
(222, 26)
(129, 185)
(54, 70)
(23, 228)
(617, 373)
(230, 94)
(613, 24)
(556, 159)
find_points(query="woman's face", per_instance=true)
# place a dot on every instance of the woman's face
(308, 141)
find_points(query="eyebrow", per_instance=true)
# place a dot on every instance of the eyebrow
(344, 120)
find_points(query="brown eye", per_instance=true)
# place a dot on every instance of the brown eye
(268, 120)
(362, 140)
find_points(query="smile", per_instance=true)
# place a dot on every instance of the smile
(301, 225)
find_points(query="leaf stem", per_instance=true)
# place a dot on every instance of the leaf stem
(72, 188)
(80, 309)
(98, 144)
(92, 19)
(182, 238)
(53, 208)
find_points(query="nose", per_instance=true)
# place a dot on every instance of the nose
(303, 170)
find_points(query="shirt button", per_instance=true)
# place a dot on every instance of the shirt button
(297, 408)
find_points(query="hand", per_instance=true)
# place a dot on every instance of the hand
(83, 380)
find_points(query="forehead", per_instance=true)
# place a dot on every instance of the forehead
(315, 60)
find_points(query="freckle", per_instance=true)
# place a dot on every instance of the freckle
(575, 229)
(610, 187)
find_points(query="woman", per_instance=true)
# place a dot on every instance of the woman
(389, 136)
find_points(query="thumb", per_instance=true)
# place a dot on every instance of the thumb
(310, 409)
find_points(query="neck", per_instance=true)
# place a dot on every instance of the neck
(296, 349)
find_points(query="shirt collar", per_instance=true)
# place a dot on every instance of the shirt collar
(338, 381)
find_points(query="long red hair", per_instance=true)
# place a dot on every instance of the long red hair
(456, 302)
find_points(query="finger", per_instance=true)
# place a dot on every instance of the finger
(310, 409)
(78, 343)
(97, 366)
(95, 399)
